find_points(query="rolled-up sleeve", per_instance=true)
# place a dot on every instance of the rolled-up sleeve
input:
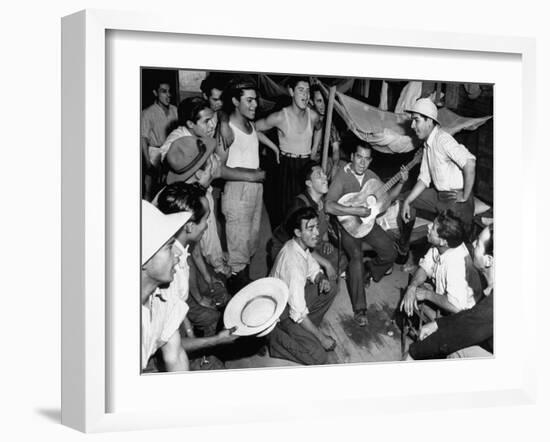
(458, 153)
(297, 300)
(428, 262)
(457, 290)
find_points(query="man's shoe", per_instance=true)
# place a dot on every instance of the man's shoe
(360, 318)
(402, 258)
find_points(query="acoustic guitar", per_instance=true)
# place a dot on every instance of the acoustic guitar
(373, 195)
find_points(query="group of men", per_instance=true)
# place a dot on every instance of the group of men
(194, 259)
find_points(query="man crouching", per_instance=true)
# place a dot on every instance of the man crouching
(297, 336)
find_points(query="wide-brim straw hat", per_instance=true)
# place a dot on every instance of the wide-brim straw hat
(157, 228)
(255, 308)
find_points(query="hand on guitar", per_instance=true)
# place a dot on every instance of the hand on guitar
(403, 175)
(362, 211)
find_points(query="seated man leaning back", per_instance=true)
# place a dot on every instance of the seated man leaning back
(315, 183)
(297, 336)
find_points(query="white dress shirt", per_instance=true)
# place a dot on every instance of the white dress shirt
(295, 266)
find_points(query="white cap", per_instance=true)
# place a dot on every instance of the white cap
(426, 107)
(157, 228)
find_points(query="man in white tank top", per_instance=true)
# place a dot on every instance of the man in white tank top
(298, 129)
(241, 200)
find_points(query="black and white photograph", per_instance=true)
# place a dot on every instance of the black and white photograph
(304, 220)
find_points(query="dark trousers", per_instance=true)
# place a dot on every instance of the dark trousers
(289, 340)
(458, 331)
(386, 253)
(290, 182)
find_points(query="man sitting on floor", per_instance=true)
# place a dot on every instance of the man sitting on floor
(297, 336)
(469, 333)
(446, 264)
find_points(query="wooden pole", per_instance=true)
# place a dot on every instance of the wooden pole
(328, 125)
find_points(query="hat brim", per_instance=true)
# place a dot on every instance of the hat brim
(157, 229)
(172, 176)
(255, 308)
(410, 111)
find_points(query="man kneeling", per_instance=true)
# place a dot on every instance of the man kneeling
(297, 336)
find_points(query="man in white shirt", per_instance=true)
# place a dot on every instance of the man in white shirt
(297, 336)
(175, 199)
(447, 173)
(160, 316)
(242, 201)
(446, 264)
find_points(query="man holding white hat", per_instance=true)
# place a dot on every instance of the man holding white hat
(160, 318)
(447, 173)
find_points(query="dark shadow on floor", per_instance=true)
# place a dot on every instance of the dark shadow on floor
(51, 414)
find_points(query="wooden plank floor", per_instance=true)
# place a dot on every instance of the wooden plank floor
(379, 341)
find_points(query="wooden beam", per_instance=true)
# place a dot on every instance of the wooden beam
(328, 125)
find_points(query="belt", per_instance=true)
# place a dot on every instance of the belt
(295, 155)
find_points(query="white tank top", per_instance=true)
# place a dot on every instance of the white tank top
(292, 138)
(244, 152)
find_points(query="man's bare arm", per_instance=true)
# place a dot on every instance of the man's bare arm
(273, 120)
(241, 174)
(264, 139)
(145, 149)
(441, 301)
(335, 208)
(469, 174)
(223, 337)
(174, 355)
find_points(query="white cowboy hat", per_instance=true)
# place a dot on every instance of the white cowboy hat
(425, 107)
(256, 307)
(157, 228)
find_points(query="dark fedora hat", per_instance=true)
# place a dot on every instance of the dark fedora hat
(186, 155)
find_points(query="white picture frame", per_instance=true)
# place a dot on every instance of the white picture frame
(88, 235)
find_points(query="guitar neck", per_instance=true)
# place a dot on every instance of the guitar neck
(393, 181)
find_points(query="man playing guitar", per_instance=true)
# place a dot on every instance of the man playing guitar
(351, 178)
